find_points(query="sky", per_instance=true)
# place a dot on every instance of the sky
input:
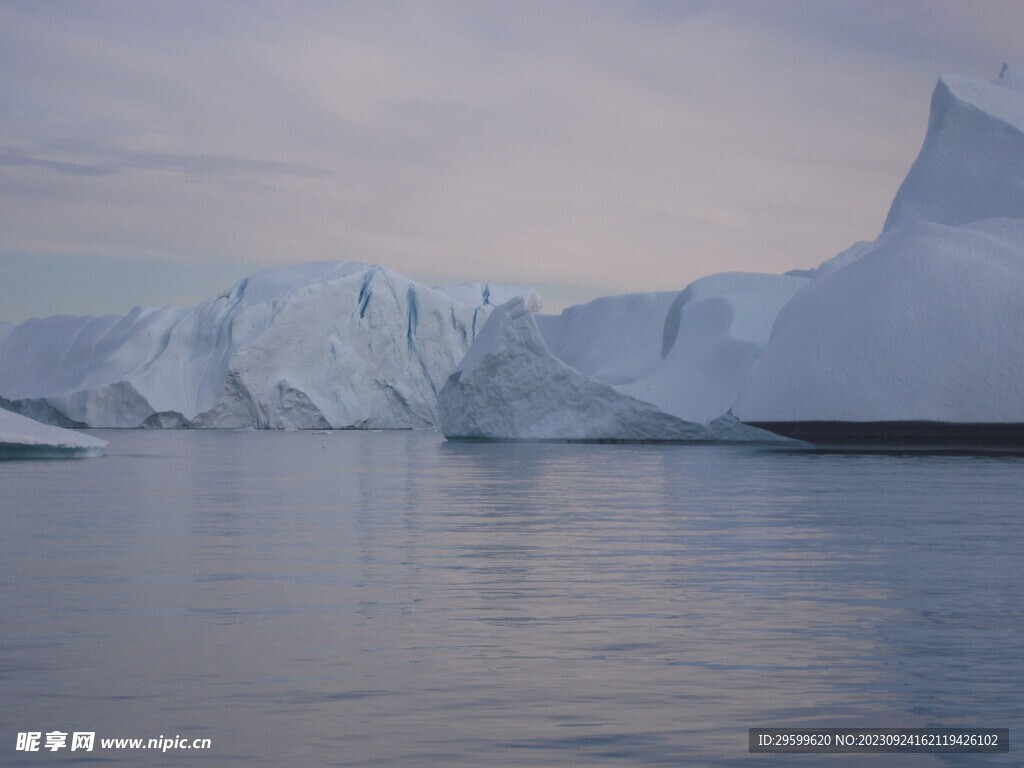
(157, 152)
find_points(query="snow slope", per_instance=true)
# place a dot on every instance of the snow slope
(325, 344)
(609, 338)
(713, 332)
(928, 326)
(24, 438)
(971, 166)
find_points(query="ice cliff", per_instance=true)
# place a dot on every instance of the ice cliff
(924, 324)
(320, 345)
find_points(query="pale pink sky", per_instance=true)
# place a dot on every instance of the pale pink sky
(157, 152)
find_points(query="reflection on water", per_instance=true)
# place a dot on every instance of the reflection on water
(392, 599)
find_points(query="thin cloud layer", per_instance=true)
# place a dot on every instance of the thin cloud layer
(587, 147)
(83, 159)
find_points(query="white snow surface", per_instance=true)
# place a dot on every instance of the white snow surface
(511, 386)
(713, 332)
(615, 339)
(22, 437)
(927, 326)
(319, 345)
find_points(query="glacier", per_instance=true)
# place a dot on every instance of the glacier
(25, 438)
(311, 346)
(922, 326)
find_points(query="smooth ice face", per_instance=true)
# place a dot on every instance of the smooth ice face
(928, 326)
(713, 332)
(971, 166)
(926, 322)
(24, 438)
(327, 344)
(614, 339)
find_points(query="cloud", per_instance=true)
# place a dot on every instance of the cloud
(94, 160)
(614, 145)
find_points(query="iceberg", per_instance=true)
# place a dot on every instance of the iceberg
(916, 336)
(615, 339)
(918, 341)
(313, 346)
(511, 386)
(928, 326)
(25, 438)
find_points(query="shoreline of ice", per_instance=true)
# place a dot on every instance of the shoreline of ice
(25, 438)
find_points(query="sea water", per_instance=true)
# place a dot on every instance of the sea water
(392, 599)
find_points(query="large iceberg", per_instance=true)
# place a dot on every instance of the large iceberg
(603, 371)
(25, 438)
(920, 334)
(320, 345)
(511, 386)
(922, 327)
(928, 326)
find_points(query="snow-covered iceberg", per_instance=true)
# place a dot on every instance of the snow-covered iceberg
(919, 335)
(320, 345)
(24, 438)
(511, 385)
(923, 326)
(928, 326)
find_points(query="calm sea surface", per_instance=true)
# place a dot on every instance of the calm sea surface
(390, 599)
